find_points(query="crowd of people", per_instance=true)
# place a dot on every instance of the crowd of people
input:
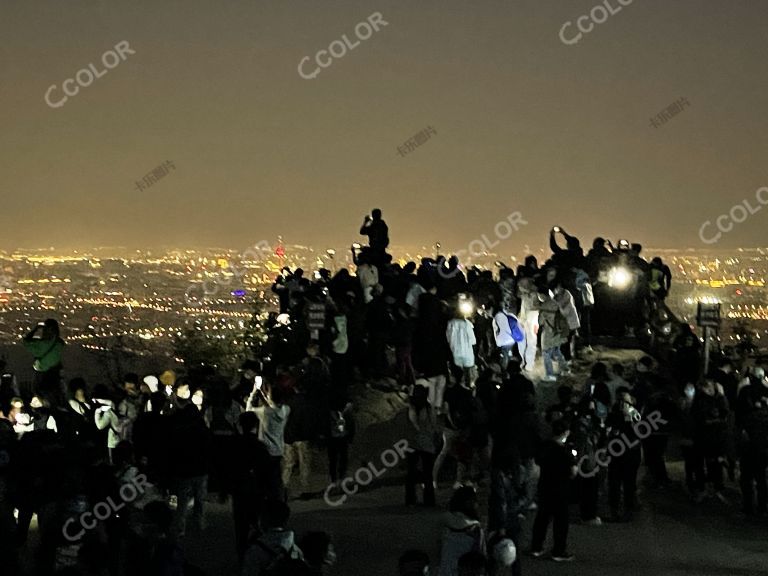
(461, 346)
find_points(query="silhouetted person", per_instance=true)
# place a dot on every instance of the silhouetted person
(557, 470)
(248, 462)
(660, 280)
(378, 234)
(752, 427)
(568, 257)
(597, 257)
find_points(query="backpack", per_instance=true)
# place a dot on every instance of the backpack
(514, 326)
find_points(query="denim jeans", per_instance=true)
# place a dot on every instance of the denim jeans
(504, 501)
(528, 346)
(529, 481)
(505, 353)
(504, 507)
(556, 355)
(196, 489)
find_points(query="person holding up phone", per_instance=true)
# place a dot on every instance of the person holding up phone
(378, 234)
(269, 405)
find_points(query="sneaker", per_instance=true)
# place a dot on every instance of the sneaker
(536, 553)
(596, 521)
(533, 506)
(549, 379)
(563, 557)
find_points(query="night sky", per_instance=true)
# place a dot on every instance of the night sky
(561, 133)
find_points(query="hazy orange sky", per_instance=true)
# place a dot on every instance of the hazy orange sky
(524, 122)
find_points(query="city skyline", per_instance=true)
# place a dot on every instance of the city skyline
(443, 114)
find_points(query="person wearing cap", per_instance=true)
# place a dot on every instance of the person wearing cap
(46, 345)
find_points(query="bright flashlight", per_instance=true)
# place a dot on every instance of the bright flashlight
(619, 277)
(466, 307)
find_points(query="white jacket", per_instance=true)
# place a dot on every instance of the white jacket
(106, 417)
(461, 338)
(501, 330)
